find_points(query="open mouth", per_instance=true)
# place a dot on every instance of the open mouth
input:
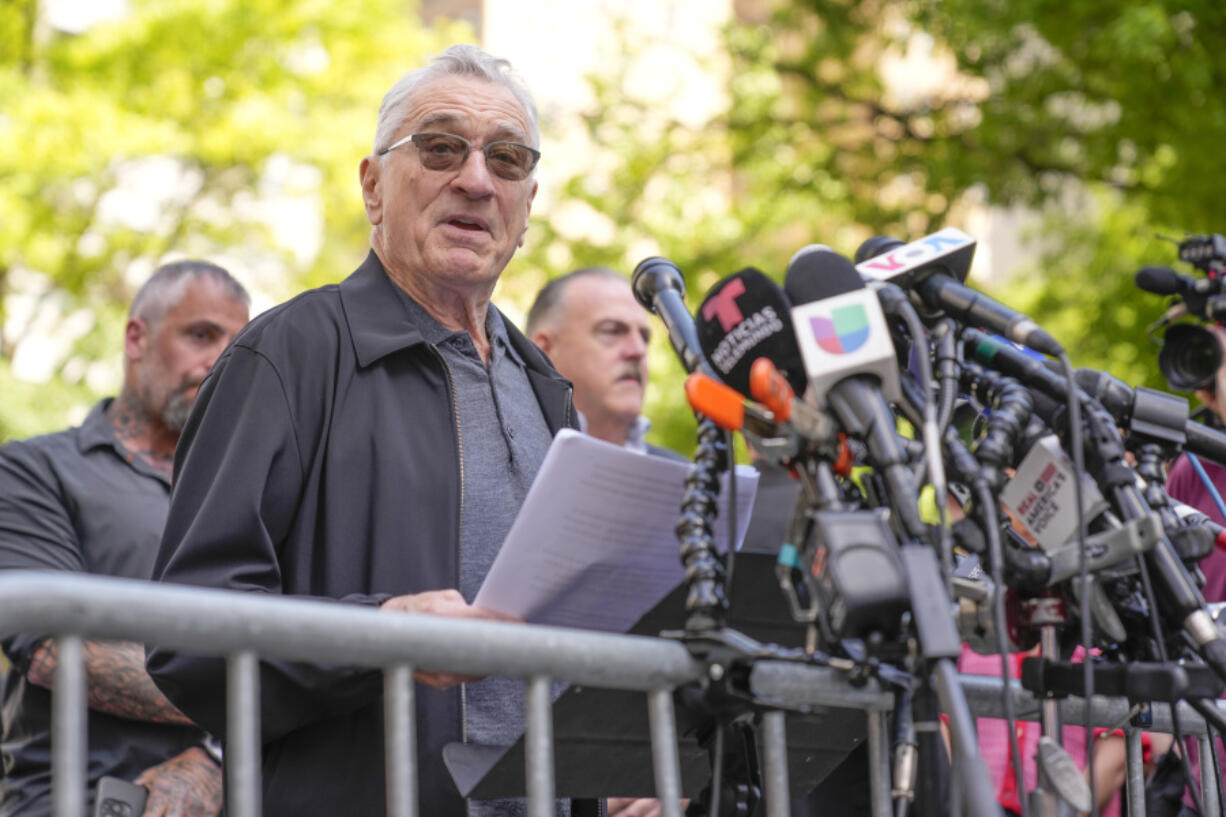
(467, 224)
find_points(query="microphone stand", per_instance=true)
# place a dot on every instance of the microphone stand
(659, 287)
(864, 414)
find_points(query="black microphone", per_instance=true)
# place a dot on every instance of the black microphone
(660, 288)
(1175, 589)
(933, 268)
(845, 343)
(1115, 396)
(1163, 281)
(745, 317)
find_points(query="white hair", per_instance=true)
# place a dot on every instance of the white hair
(458, 60)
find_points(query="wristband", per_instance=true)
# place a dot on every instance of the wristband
(212, 748)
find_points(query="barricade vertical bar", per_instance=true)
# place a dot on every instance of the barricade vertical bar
(878, 763)
(400, 741)
(538, 746)
(68, 723)
(1208, 783)
(243, 734)
(774, 738)
(664, 754)
(1135, 778)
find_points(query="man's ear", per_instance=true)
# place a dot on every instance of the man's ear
(541, 338)
(369, 173)
(135, 339)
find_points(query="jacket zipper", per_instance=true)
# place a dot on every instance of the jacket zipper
(459, 563)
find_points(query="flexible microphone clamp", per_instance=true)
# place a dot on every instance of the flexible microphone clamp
(660, 288)
(1011, 406)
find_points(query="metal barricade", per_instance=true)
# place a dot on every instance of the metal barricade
(246, 627)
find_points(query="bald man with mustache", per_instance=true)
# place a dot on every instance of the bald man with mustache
(596, 334)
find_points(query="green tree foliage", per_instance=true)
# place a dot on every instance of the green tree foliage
(225, 104)
(1110, 122)
(1103, 123)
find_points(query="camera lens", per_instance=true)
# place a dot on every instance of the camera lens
(1190, 357)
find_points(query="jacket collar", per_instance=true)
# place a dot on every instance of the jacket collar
(377, 322)
(379, 325)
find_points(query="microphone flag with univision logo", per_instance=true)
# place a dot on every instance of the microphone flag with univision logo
(845, 331)
(839, 325)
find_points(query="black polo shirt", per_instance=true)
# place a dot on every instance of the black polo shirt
(75, 501)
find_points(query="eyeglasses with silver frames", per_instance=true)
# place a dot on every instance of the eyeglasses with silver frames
(446, 151)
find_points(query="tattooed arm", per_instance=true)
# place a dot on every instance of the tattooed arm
(187, 785)
(116, 680)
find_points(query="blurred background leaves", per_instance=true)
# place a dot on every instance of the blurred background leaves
(1094, 130)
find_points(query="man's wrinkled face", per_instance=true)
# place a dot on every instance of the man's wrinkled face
(171, 358)
(598, 340)
(458, 227)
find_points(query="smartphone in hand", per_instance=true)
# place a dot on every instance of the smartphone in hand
(117, 797)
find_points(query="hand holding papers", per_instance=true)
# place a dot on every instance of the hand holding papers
(593, 545)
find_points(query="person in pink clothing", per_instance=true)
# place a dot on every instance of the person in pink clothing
(994, 744)
(1185, 484)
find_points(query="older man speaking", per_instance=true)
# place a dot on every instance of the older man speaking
(372, 441)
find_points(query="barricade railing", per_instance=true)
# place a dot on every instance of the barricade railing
(244, 627)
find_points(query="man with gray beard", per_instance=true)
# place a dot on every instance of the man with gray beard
(93, 499)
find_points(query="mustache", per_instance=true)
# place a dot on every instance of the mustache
(186, 384)
(632, 370)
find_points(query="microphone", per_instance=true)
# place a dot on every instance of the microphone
(1042, 497)
(660, 288)
(1192, 517)
(769, 387)
(851, 365)
(1113, 394)
(1177, 594)
(744, 318)
(933, 268)
(850, 362)
(1164, 281)
(838, 324)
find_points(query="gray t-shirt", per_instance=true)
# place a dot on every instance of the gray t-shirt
(75, 501)
(503, 439)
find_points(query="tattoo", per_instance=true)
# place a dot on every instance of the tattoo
(136, 434)
(126, 416)
(188, 784)
(116, 680)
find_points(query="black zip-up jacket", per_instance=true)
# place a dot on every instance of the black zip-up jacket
(321, 461)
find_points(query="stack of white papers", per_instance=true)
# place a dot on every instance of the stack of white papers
(594, 544)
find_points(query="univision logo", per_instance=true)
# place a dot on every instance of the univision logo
(845, 331)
